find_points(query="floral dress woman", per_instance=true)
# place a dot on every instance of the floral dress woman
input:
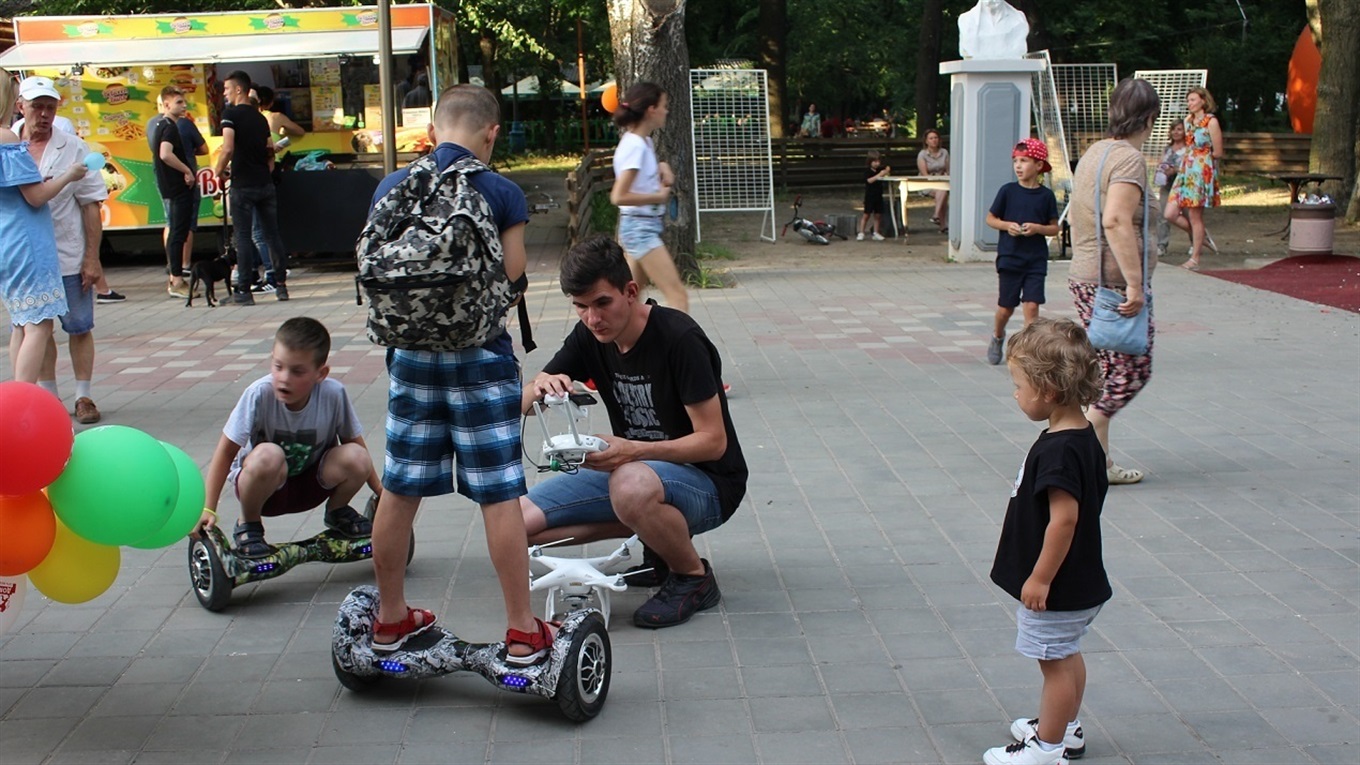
(1197, 184)
(30, 279)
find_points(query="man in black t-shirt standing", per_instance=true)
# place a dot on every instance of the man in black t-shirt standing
(175, 179)
(673, 466)
(247, 146)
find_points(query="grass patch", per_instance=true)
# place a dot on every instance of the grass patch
(604, 217)
(711, 251)
(710, 277)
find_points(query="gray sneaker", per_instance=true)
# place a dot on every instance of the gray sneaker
(994, 350)
(243, 297)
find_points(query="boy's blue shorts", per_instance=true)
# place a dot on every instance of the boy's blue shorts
(1018, 287)
(443, 405)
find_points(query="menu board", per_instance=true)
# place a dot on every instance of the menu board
(115, 103)
(328, 108)
(373, 106)
(324, 71)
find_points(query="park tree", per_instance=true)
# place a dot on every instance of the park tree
(928, 65)
(1336, 128)
(773, 40)
(649, 46)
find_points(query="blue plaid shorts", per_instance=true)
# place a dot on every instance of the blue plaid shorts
(443, 405)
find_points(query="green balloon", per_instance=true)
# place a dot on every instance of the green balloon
(119, 486)
(188, 506)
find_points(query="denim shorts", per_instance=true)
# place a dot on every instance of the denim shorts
(640, 234)
(443, 405)
(583, 497)
(79, 316)
(1051, 635)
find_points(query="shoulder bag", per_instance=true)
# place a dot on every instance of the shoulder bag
(1110, 330)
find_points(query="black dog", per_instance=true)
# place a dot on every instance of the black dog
(216, 269)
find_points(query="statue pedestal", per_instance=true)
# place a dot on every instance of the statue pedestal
(989, 113)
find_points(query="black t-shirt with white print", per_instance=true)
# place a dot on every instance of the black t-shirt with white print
(1074, 461)
(646, 389)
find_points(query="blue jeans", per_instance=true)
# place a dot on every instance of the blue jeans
(262, 249)
(249, 204)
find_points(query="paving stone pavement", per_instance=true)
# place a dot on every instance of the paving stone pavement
(858, 624)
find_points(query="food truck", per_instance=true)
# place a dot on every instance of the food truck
(320, 62)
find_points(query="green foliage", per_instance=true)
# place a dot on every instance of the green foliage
(854, 57)
(604, 217)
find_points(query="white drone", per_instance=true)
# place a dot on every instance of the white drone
(566, 452)
(576, 583)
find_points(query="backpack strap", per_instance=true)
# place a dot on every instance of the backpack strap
(469, 165)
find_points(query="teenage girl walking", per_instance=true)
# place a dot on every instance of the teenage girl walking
(642, 188)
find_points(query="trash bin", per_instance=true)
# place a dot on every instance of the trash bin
(517, 139)
(1312, 228)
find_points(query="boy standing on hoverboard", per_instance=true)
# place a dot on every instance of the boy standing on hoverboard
(447, 406)
(673, 467)
(292, 442)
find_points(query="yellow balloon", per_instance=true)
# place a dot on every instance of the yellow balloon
(76, 570)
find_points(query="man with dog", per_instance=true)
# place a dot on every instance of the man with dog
(673, 466)
(249, 152)
(176, 182)
(78, 229)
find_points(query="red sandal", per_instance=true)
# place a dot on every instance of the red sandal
(403, 630)
(541, 641)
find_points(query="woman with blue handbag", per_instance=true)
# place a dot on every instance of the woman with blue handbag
(1111, 273)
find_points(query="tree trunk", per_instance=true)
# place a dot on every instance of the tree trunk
(773, 27)
(928, 67)
(1338, 98)
(648, 37)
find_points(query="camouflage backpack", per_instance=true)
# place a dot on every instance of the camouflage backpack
(430, 262)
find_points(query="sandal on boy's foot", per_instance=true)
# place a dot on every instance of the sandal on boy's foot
(249, 539)
(540, 641)
(348, 523)
(401, 631)
(1121, 475)
(1190, 265)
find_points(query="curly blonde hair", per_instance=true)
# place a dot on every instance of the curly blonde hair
(1058, 359)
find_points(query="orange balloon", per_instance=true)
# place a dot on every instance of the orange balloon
(1301, 90)
(609, 99)
(27, 529)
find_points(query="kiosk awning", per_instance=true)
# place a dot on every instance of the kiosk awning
(196, 50)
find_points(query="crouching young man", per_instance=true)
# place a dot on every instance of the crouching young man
(673, 467)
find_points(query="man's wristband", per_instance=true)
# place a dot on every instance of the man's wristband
(210, 511)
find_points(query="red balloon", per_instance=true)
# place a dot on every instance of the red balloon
(28, 528)
(35, 438)
(609, 99)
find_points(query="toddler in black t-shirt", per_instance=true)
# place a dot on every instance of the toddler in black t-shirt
(1049, 556)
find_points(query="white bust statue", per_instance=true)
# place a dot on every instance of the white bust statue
(993, 29)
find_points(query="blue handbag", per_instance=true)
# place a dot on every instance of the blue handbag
(1110, 330)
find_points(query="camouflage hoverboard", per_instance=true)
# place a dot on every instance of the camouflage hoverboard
(575, 675)
(216, 568)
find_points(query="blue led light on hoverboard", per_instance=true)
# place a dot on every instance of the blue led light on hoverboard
(262, 568)
(388, 665)
(366, 550)
(514, 681)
